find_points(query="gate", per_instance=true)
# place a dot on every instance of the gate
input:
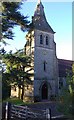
(14, 112)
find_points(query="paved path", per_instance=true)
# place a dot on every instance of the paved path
(44, 105)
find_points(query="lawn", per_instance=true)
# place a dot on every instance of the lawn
(15, 101)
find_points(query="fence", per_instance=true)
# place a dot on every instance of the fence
(13, 112)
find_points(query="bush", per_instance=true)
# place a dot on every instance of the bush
(37, 99)
(53, 98)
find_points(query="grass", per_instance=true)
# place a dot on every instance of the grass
(15, 101)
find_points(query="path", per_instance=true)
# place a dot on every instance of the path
(44, 105)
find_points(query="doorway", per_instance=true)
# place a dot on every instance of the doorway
(45, 91)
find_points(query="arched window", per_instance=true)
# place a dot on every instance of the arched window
(46, 40)
(41, 39)
(44, 65)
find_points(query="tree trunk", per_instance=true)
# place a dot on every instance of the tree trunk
(22, 95)
(19, 93)
(23, 85)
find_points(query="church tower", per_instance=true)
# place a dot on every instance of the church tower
(40, 44)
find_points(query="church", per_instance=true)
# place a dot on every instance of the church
(49, 71)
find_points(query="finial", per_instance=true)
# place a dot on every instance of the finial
(39, 1)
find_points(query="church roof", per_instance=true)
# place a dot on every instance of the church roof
(39, 20)
(63, 66)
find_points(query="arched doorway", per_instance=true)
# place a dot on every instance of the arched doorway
(45, 91)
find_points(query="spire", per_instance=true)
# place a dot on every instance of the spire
(39, 9)
(39, 20)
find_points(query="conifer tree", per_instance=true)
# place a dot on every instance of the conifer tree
(15, 71)
(11, 16)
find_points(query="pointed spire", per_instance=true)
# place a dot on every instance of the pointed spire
(39, 9)
(39, 20)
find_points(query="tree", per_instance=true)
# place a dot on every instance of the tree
(18, 69)
(67, 96)
(6, 88)
(11, 17)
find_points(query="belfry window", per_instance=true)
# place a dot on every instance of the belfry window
(46, 40)
(41, 39)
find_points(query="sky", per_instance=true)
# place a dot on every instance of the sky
(59, 17)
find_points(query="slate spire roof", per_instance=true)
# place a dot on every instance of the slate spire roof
(39, 20)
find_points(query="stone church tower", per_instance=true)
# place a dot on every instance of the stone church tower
(40, 44)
